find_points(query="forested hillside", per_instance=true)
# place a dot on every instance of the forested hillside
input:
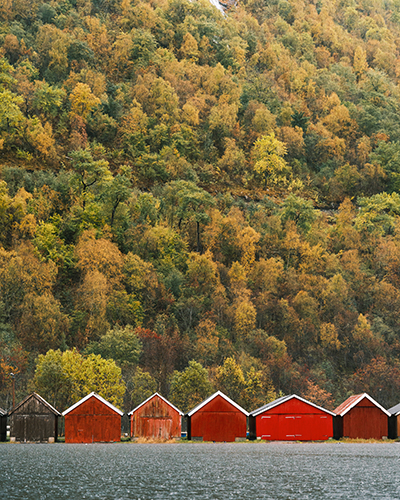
(210, 200)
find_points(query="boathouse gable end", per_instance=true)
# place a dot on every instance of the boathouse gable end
(217, 418)
(291, 418)
(34, 420)
(156, 418)
(92, 419)
(218, 398)
(360, 416)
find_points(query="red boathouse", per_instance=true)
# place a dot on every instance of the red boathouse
(361, 416)
(92, 420)
(156, 418)
(291, 418)
(217, 418)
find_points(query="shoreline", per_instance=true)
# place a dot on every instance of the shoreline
(140, 441)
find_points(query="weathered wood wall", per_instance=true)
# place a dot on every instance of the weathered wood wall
(92, 422)
(156, 419)
(33, 421)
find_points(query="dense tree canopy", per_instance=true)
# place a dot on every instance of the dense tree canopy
(190, 197)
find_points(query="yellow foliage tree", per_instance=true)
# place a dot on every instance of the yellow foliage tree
(83, 101)
(245, 318)
(268, 153)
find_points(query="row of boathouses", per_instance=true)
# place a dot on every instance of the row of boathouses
(218, 418)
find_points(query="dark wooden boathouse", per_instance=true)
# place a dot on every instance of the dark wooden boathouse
(217, 418)
(92, 420)
(291, 418)
(3, 425)
(33, 420)
(156, 418)
(360, 416)
(394, 422)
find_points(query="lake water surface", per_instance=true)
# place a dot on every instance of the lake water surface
(200, 471)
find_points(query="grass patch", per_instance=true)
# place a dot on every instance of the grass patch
(361, 440)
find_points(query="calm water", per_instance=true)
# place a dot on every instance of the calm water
(200, 471)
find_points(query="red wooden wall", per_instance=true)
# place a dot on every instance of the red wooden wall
(218, 420)
(91, 422)
(294, 420)
(366, 421)
(156, 419)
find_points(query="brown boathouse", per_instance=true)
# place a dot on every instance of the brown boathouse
(33, 420)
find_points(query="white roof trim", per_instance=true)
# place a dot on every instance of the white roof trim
(92, 394)
(151, 397)
(362, 396)
(46, 403)
(39, 398)
(218, 393)
(261, 410)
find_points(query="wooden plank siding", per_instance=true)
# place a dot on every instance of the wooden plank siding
(92, 420)
(362, 417)
(217, 419)
(33, 420)
(291, 418)
(156, 418)
(365, 421)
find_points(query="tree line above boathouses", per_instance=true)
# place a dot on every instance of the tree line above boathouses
(218, 418)
(161, 165)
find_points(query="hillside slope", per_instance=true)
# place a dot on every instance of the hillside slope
(223, 186)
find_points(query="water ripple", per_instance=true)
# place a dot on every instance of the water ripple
(273, 471)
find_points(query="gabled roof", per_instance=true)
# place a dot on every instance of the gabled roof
(3, 413)
(352, 401)
(394, 410)
(218, 393)
(161, 397)
(40, 399)
(94, 395)
(282, 400)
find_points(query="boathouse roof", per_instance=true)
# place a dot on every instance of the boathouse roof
(284, 399)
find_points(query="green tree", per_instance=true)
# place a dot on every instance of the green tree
(300, 211)
(184, 201)
(47, 100)
(190, 387)
(89, 175)
(378, 214)
(10, 114)
(143, 386)
(117, 191)
(65, 377)
(120, 344)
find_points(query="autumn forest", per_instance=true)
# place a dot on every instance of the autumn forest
(193, 200)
